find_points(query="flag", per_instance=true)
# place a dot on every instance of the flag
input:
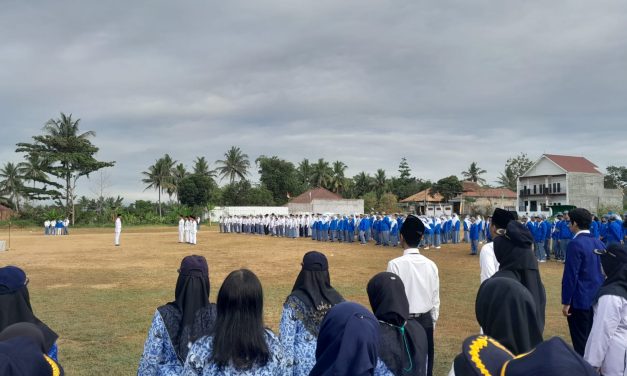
(288, 195)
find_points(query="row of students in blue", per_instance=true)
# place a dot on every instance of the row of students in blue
(320, 333)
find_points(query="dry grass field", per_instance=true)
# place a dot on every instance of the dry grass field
(101, 298)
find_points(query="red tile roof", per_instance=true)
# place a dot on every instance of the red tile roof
(315, 194)
(423, 196)
(491, 193)
(573, 164)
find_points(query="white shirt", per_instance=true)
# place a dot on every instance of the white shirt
(607, 342)
(487, 261)
(421, 280)
(182, 224)
(118, 225)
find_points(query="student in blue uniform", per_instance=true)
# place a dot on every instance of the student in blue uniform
(538, 238)
(474, 236)
(565, 235)
(384, 227)
(614, 230)
(350, 229)
(364, 230)
(333, 226)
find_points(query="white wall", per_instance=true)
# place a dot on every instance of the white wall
(246, 210)
(545, 167)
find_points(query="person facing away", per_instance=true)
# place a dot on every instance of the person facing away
(15, 306)
(487, 259)
(581, 279)
(182, 228)
(517, 261)
(239, 344)
(118, 229)
(607, 344)
(402, 342)
(348, 342)
(311, 298)
(506, 311)
(23, 352)
(177, 324)
(421, 280)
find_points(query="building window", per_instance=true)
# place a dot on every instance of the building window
(534, 189)
(558, 187)
(554, 187)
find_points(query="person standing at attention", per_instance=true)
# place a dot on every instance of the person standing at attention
(118, 230)
(421, 280)
(182, 228)
(582, 278)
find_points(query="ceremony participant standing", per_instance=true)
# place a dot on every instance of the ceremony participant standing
(348, 342)
(118, 230)
(607, 344)
(421, 280)
(403, 342)
(193, 229)
(182, 228)
(311, 298)
(474, 236)
(487, 259)
(46, 227)
(581, 279)
(565, 235)
(176, 325)
(239, 344)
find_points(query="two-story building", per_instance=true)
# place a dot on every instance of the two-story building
(564, 180)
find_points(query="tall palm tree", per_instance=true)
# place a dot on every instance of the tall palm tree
(337, 182)
(508, 179)
(363, 183)
(33, 169)
(322, 173)
(201, 167)
(305, 171)
(380, 183)
(12, 184)
(159, 177)
(473, 173)
(234, 165)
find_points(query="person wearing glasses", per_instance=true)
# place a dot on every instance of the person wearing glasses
(15, 307)
(606, 347)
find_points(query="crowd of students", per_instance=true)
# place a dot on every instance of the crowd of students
(56, 226)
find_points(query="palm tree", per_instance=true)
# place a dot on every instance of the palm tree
(33, 169)
(305, 171)
(201, 167)
(234, 166)
(337, 182)
(508, 179)
(322, 173)
(159, 177)
(380, 183)
(473, 173)
(363, 183)
(12, 183)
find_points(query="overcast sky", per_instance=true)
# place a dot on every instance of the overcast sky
(443, 83)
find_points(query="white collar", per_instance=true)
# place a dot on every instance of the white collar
(411, 251)
(581, 232)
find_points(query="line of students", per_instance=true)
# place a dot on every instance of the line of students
(56, 227)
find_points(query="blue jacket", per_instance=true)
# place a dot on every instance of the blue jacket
(384, 225)
(538, 233)
(564, 231)
(474, 231)
(333, 225)
(594, 229)
(547, 229)
(364, 225)
(582, 272)
(457, 224)
(465, 226)
(614, 232)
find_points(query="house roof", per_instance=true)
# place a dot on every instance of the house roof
(491, 193)
(424, 196)
(315, 194)
(573, 164)
(470, 186)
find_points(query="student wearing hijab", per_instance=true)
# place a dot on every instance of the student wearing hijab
(517, 261)
(239, 344)
(607, 343)
(402, 342)
(348, 342)
(23, 352)
(506, 311)
(15, 306)
(179, 323)
(482, 356)
(311, 298)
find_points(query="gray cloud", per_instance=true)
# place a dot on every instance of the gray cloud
(365, 82)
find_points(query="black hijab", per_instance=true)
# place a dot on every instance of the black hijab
(403, 342)
(15, 304)
(614, 262)
(506, 311)
(348, 341)
(517, 261)
(313, 284)
(191, 300)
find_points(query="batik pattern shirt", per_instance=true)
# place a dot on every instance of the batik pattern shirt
(299, 334)
(159, 357)
(198, 361)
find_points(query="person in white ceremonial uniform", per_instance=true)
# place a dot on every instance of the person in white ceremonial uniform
(186, 229)
(118, 230)
(421, 280)
(193, 229)
(487, 258)
(181, 229)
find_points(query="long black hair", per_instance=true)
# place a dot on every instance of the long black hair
(239, 337)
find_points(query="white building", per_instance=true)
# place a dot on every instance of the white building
(564, 180)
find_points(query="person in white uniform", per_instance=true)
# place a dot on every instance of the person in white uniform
(118, 230)
(606, 348)
(193, 229)
(181, 229)
(487, 259)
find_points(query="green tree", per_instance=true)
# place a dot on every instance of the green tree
(33, 169)
(178, 174)
(616, 177)
(321, 174)
(337, 181)
(234, 165)
(388, 203)
(236, 193)
(159, 177)
(363, 184)
(403, 169)
(474, 173)
(196, 190)
(380, 183)
(69, 155)
(11, 184)
(278, 176)
(448, 187)
(305, 172)
(201, 167)
(515, 167)
(370, 202)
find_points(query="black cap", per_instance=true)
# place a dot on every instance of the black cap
(12, 279)
(194, 265)
(315, 261)
(412, 229)
(501, 217)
